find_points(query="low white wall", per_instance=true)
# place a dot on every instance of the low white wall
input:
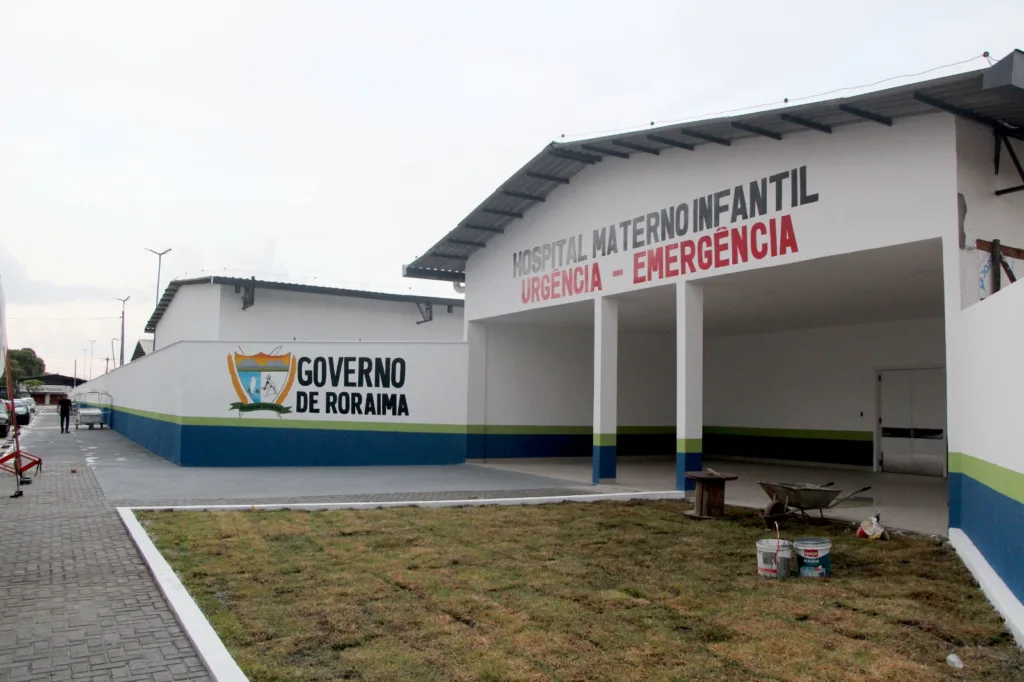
(986, 403)
(150, 384)
(197, 380)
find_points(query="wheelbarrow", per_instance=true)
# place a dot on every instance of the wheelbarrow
(804, 497)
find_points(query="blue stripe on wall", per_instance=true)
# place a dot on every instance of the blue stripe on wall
(993, 521)
(160, 437)
(210, 446)
(240, 446)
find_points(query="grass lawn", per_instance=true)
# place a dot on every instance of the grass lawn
(600, 591)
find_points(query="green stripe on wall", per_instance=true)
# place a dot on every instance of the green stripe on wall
(689, 445)
(604, 439)
(286, 423)
(789, 433)
(1000, 479)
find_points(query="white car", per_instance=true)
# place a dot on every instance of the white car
(31, 403)
(5, 418)
(22, 412)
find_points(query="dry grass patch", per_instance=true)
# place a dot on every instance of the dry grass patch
(601, 591)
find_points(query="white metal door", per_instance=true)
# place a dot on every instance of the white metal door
(913, 421)
(897, 444)
(928, 410)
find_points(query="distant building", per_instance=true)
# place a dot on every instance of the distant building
(143, 347)
(53, 388)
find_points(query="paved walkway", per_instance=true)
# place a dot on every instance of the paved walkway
(76, 600)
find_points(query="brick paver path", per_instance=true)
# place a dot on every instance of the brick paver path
(76, 599)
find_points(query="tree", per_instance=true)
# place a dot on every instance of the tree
(24, 363)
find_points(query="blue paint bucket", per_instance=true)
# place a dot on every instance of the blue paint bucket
(813, 557)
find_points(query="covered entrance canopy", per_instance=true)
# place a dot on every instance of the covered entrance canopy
(784, 365)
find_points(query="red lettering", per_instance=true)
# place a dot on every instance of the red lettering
(758, 248)
(656, 262)
(526, 290)
(704, 252)
(687, 258)
(721, 246)
(545, 287)
(671, 258)
(595, 278)
(638, 267)
(738, 237)
(555, 292)
(578, 280)
(535, 288)
(787, 239)
(775, 237)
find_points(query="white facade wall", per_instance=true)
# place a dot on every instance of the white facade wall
(193, 315)
(539, 376)
(876, 186)
(213, 312)
(820, 379)
(290, 315)
(988, 216)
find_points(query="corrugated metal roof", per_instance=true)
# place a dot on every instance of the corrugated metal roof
(558, 163)
(172, 289)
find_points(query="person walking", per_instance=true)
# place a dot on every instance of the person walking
(64, 410)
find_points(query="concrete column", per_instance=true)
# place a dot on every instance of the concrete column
(689, 381)
(476, 390)
(606, 386)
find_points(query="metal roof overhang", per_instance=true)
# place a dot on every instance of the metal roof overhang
(993, 97)
(172, 289)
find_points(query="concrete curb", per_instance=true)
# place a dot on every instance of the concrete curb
(483, 502)
(215, 656)
(1004, 601)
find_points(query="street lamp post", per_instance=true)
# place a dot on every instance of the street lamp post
(112, 353)
(123, 301)
(159, 263)
(92, 343)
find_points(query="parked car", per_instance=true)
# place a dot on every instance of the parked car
(5, 419)
(31, 403)
(22, 412)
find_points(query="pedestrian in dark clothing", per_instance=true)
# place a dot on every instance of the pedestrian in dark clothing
(64, 410)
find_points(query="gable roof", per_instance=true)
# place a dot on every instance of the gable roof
(143, 347)
(174, 286)
(990, 96)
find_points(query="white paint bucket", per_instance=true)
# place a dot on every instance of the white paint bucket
(814, 557)
(774, 558)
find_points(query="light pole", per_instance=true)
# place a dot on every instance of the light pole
(91, 344)
(123, 301)
(112, 353)
(159, 263)
(84, 351)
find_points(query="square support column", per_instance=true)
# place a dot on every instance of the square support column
(606, 386)
(689, 381)
(476, 391)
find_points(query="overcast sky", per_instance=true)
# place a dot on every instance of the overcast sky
(339, 140)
